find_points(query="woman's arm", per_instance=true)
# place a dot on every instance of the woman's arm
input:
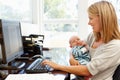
(76, 69)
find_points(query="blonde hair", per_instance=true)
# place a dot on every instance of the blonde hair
(108, 20)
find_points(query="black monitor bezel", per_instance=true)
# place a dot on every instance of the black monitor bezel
(6, 59)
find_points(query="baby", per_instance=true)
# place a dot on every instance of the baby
(80, 53)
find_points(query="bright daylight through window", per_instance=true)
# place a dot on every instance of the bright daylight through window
(56, 19)
(60, 21)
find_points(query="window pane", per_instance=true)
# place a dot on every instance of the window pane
(16, 10)
(54, 9)
(57, 35)
(61, 27)
(60, 18)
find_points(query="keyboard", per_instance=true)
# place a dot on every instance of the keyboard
(37, 67)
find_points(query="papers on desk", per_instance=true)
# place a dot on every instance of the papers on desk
(43, 76)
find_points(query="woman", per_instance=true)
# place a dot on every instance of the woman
(104, 44)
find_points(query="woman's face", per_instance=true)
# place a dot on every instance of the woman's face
(95, 23)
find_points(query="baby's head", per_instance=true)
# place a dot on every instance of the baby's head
(73, 41)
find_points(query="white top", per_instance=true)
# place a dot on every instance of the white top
(105, 59)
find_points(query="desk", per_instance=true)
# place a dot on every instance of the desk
(58, 55)
(43, 76)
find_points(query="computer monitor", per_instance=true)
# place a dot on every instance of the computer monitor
(10, 40)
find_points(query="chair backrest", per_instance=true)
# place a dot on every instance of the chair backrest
(116, 75)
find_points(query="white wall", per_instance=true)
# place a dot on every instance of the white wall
(28, 28)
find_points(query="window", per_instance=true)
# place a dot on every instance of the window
(59, 20)
(16, 10)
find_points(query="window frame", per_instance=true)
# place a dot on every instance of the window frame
(82, 19)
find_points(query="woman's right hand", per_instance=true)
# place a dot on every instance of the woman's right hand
(51, 64)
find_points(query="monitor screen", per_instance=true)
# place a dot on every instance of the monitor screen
(11, 40)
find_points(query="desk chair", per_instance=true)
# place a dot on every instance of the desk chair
(116, 75)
